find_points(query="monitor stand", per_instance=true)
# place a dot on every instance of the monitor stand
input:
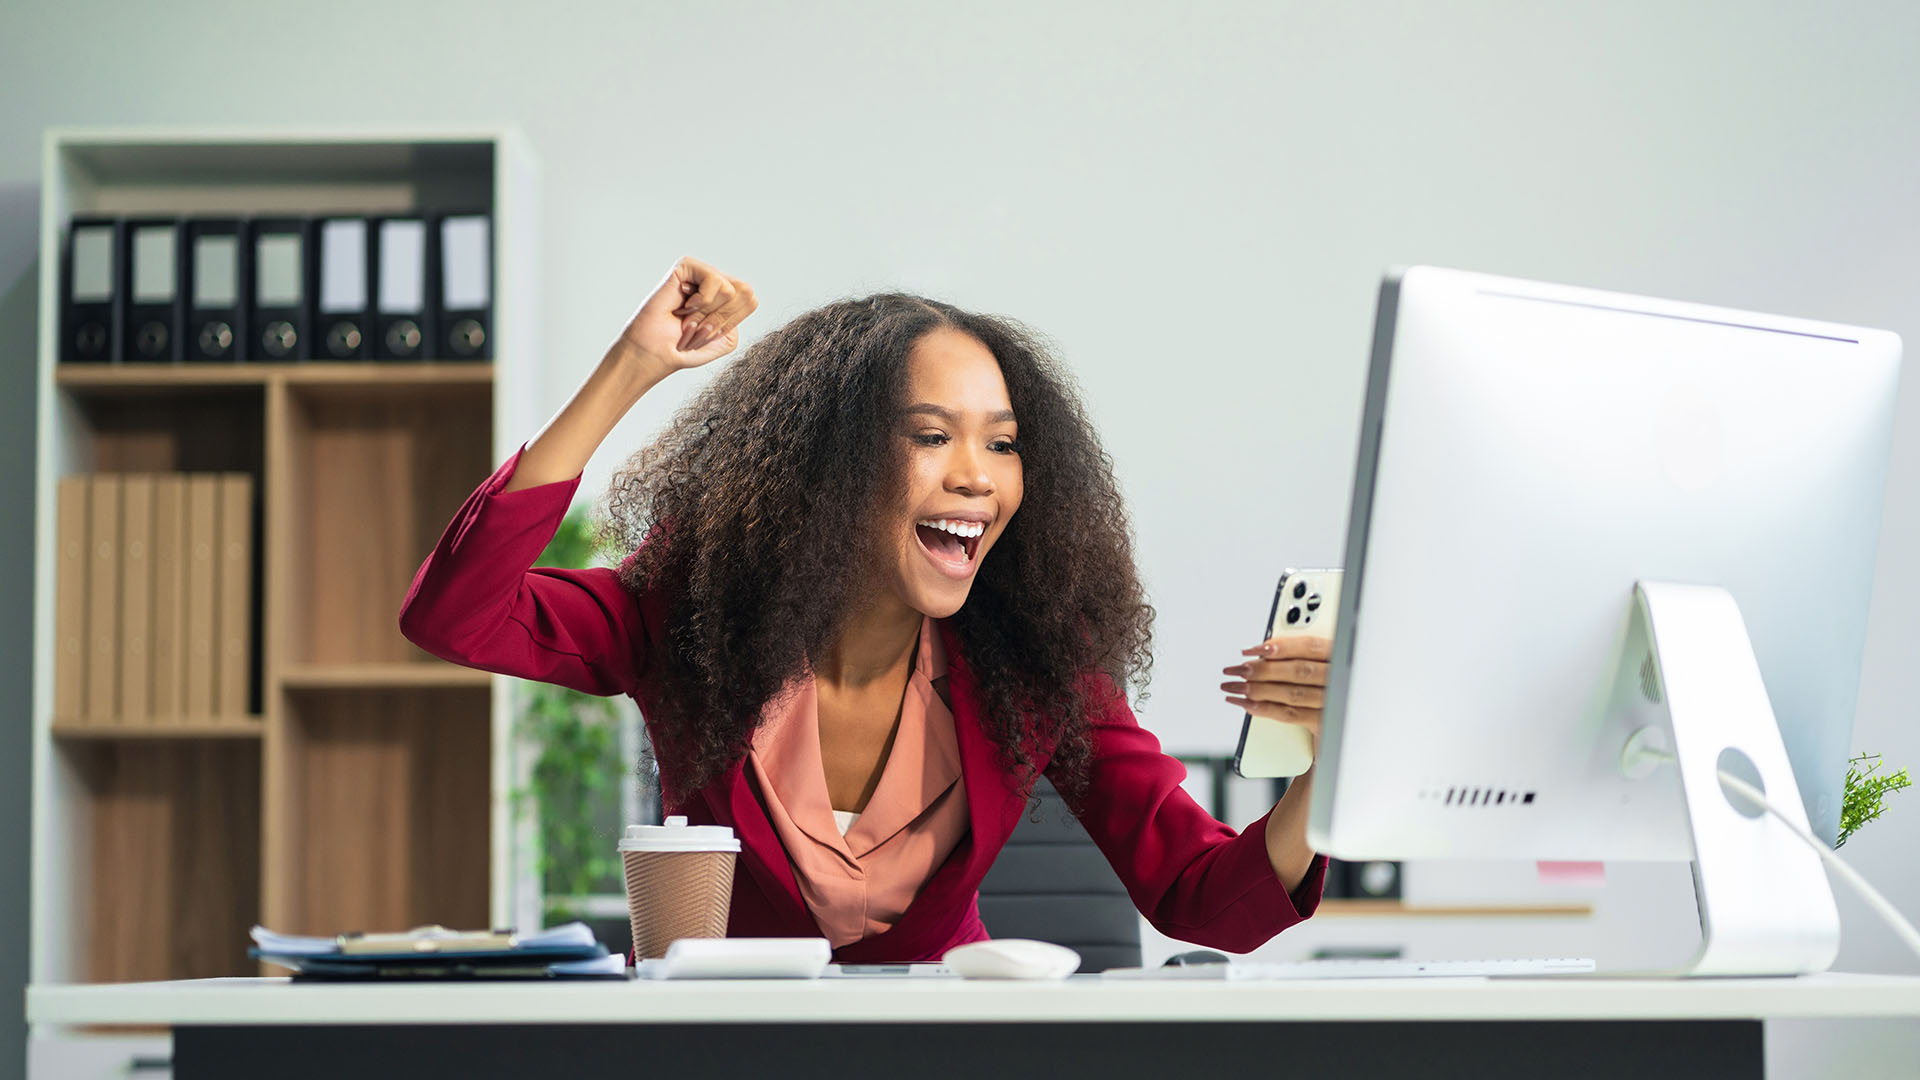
(1765, 907)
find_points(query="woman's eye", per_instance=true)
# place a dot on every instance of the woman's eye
(1005, 446)
(929, 438)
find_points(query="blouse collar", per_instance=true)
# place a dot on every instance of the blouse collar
(923, 763)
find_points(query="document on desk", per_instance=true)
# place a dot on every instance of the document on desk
(567, 951)
(267, 941)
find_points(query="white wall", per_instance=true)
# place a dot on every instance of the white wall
(1195, 202)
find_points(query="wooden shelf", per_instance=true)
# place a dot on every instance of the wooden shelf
(199, 376)
(377, 373)
(250, 727)
(1398, 910)
(400, 675)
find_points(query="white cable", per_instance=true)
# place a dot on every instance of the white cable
(1901, 927)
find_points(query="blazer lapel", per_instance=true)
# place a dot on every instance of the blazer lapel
(736, 806)
(992, 803)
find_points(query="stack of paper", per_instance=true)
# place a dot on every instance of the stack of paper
(567, 951)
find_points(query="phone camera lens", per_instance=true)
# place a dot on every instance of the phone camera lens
(1293, 615)
(1299, 590)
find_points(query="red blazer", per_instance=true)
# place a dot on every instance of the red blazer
(475, 601)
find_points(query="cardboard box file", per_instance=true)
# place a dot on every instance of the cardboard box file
(70, 601)
(103, 600)
(236, 591)
(203, 583)
(169, 635)
(136, 598)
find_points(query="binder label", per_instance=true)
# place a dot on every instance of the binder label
(93, 264)
(403, 262)
(277, 271)
(465, 263)
(216, 271)
(153, 264)
(343, 266)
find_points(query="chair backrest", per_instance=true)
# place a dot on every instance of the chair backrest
(1051, 883)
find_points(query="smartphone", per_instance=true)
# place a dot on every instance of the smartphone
(1304, 605)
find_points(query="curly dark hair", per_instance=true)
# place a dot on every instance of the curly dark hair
(755, 513)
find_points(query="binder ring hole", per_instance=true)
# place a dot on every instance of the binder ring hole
(152, 339)
(403, 337)
(468, 336)
(215, 339)
(279, 338)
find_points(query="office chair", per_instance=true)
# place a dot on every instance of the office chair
(1051, 883)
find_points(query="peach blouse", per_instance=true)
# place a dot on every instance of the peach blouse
(859, 884)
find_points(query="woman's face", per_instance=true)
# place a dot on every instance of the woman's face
(964, 477)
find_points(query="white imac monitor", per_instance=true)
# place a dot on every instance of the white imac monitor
(1547, 475)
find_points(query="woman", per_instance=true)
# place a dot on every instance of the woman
(880, 579)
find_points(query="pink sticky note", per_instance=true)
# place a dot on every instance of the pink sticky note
(1572, 873)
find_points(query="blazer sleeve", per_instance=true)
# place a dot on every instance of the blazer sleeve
(1193, 878)
(477, 600)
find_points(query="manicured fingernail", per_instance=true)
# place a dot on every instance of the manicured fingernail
(1233, 687)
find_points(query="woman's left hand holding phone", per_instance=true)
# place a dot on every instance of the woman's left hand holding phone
(1283, 678)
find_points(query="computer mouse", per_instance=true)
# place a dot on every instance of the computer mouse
(1012, 958)
(1197, 956)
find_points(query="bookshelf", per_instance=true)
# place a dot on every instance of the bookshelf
(366, 785)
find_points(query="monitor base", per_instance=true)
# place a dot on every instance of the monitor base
(1765, 906)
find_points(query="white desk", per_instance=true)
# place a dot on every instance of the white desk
(1469, 1027)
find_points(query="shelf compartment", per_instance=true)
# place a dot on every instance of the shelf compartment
(387, 810)
(173, 841)
(219, 431)
(177, 430)
(249, 174)
(373, 476)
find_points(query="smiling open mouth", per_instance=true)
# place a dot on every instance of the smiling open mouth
(952, 544)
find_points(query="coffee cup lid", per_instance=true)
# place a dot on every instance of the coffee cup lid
(677, 835)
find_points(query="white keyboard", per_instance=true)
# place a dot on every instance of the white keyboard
(1249, 970)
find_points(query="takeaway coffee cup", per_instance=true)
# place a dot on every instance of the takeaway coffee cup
(679, 882)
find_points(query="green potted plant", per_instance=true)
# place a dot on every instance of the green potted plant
(1863, 798)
